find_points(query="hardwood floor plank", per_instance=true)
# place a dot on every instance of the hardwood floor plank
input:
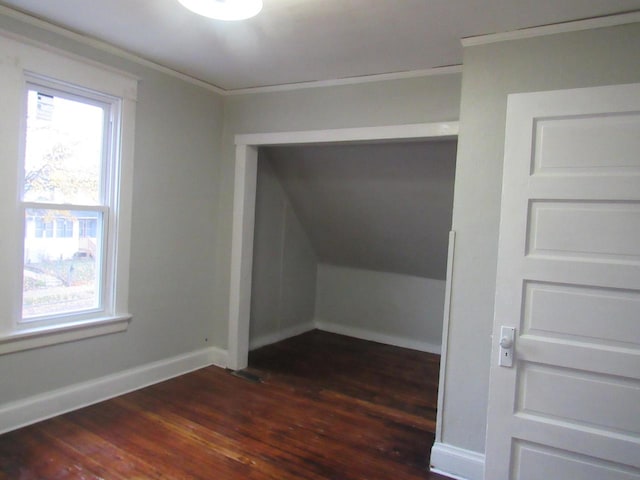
(328, 407)
(310, 435)
(174, 455)
(200, 436)
(32, 455)
(108, 460)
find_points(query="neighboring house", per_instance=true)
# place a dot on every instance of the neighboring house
(69, 236)
(182, 212)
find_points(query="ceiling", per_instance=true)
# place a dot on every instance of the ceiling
(294, 41)
(384, 206)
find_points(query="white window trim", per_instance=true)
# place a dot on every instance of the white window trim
(17, 59)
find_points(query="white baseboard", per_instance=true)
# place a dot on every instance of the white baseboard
(40, 407)
(378, 337)
(50, 404)
(456, 463)
(281, 335)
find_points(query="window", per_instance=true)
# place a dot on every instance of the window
(87, 227)
(64, 228)
(44, 229)
(71, 142)
(68, 153)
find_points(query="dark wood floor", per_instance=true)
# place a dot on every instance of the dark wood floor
(328, 407)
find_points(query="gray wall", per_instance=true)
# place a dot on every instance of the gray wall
(283, 288)
(175, 189)
(491, 72)
(384, 206)
(388, 307)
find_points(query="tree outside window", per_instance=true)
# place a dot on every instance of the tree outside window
(66, 151)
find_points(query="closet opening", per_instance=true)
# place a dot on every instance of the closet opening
(323, 274)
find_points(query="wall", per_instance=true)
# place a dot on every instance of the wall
(491, 72)
(178, 127)
(283, 287)
(183, 197)
(392, 308)
(427, 99)
(182, 207)
(183, 184)
(381, 206)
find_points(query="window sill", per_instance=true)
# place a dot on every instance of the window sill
(28, 338)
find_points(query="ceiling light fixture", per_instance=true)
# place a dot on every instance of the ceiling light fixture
(224, 9)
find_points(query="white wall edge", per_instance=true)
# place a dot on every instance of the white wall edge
(456, 462)
(281, 335)
(445, 334)
(565, 27)
(365, 334)
(358, 134)
(41, 407)
(244, 208)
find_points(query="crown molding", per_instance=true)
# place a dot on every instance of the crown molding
(381, 77)
(565, 27)
(105, 47)
(599, 22)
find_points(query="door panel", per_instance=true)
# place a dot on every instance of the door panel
(569, 282)
(566, 229)
(597, 315)
(584, 145)
(552, 392)
(535, 462)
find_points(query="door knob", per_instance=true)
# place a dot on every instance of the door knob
(507, 338)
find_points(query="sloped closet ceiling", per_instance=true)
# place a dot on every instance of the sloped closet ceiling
(384, 206)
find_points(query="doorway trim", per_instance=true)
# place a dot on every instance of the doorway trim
(244, 202)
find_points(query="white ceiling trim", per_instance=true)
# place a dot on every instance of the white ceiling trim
(6, 34)
(106, 47)
(448, 70)
(599, 22)
(566, 27)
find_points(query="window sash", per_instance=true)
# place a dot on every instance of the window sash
(101, 257)
(111, 108)
(107, 185)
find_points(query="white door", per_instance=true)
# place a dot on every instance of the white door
(569, 283)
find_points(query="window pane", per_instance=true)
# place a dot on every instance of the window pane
(88, 227)
(63, 151)
(64, 228)
(62, 270)
(44, 227)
